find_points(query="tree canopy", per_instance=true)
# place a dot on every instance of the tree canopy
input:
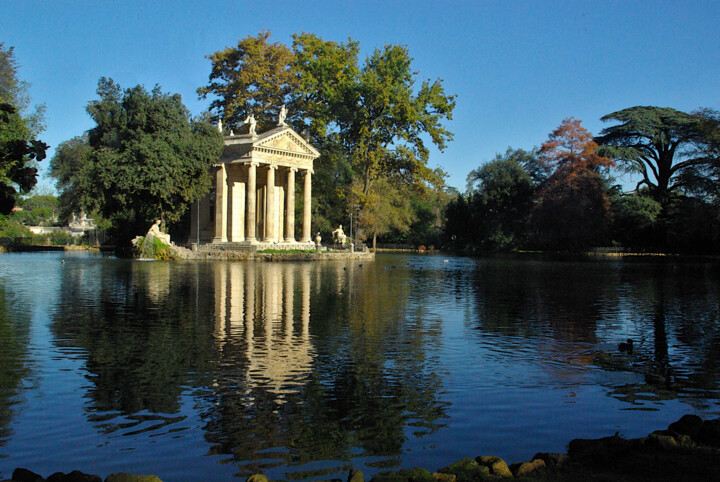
(659, 143)
(145, 159)
(19, 148)
(370, 121)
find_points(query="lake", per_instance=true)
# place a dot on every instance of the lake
(214, 370)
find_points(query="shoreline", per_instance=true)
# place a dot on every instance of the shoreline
(689, 449)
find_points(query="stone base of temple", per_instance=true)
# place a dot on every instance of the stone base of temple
(255, 246)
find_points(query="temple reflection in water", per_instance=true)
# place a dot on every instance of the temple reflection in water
(269, 316)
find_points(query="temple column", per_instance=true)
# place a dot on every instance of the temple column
(270, 231)
(221, 199)
(290, 207)
(251, 202)
(307, 199)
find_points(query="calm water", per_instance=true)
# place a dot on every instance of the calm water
(214, 370)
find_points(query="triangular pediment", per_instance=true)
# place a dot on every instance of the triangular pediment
(286, 140)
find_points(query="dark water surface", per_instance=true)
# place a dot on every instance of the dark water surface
(213, 370)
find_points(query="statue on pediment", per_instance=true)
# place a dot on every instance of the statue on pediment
(282, 115)
(251, 120)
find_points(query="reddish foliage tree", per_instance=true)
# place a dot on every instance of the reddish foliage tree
(571, 146)
(573, 209)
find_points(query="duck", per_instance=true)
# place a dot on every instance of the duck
(626, 347)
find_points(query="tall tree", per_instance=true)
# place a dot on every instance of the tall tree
(659, 143)
(572, 212)
(502, 198)
(389, 120)
(255, 77)
(19, 148)
(371, 119)
(148, 159)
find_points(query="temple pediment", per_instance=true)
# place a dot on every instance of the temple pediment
(286, 140)
(281, 146)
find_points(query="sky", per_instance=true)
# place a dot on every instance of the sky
(518, 68)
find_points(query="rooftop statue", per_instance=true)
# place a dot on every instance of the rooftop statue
(282, 115)
(219, 126)
(251, 120)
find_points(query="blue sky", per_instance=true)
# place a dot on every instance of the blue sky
(518, 68)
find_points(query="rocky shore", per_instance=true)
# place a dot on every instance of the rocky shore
(689, 450)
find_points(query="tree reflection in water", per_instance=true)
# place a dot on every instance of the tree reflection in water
(576, 314)
(308, 371)
(290, 363)
(14, 335)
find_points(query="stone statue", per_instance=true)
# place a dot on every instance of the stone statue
(282, 115)
(155, 232)
(339, 236)
(220, 126)
(251, 120)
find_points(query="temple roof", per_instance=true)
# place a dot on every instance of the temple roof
(281, 146)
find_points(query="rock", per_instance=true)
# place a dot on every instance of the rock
(444, 477)
(603, 446)
(24, 475)
(662, 440)
(709, 433)
(525, 468)
(496, 465)
(74, 476)
(417, 475)
(255, 478)
(388, 477)
(466, 469)
(355, 476)
(125, 477)
(552, 460)
(687, 425)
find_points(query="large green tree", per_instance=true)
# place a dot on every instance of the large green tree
(660, 144)
(145, 159)
(371, 122)
(19, 148)
(503, 197)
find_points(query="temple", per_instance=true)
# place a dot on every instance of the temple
(253, 201)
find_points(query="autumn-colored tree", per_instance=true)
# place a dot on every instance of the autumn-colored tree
(571, 147)
(572, 212)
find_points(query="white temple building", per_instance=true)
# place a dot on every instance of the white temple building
(253, 201)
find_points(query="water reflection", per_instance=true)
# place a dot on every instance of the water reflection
(258, 320)
(14, 329)
(575, 314)
(303, 369)
(308, 371)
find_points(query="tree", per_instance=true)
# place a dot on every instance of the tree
(19, 149)
(145, 159)
(389, 120)
(634, 217)
(71, 166)
(502, 197)
(256, 77)
(572, 212)
(659, 143)
(387, 208)
(370, 122)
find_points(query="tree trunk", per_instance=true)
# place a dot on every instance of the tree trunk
(374, 243)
